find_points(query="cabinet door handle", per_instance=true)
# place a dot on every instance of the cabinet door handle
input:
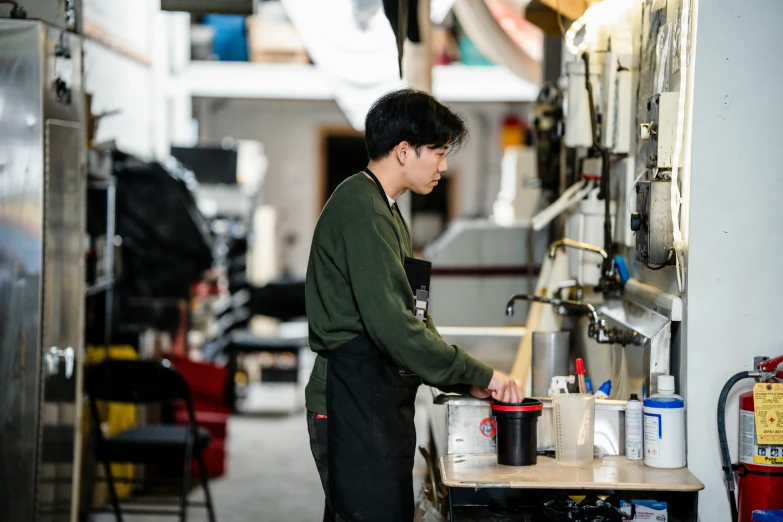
(52, 359)
(69, 356)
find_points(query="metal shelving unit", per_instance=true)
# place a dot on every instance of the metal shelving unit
(99, 165)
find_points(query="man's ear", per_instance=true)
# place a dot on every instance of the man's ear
(403, 151)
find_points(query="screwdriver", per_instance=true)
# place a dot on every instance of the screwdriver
(580, 374)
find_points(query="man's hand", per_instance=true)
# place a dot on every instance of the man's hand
(502, 388)
(480, 393)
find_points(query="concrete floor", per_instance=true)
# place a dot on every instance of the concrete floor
(270, 473)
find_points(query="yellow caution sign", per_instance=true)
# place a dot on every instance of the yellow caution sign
(768, 405)
(769, 461)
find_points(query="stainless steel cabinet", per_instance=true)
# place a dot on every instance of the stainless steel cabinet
(42, 202)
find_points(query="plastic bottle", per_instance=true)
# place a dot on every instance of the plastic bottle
(560, 384)
(664, 427)
(634, 442)
(589, 385)
(604, 391)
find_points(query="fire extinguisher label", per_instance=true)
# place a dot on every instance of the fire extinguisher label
(752, 453)
(768, 403)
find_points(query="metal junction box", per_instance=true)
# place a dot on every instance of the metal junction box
(64, 14)
(661, 130)
(652, 222)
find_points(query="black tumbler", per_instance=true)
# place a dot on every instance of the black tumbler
(516, 431)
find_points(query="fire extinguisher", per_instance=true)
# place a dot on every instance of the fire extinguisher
(759, 479)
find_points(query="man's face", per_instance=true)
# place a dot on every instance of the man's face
(422, 171)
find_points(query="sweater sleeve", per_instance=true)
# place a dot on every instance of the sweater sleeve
(461, 388)
(379, 286)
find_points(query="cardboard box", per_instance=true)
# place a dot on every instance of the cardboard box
(272, 41)
(543, 13)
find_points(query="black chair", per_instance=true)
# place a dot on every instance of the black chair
(146, 382)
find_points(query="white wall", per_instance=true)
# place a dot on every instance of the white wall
(290, 132)
(733, 307)
(119, 82)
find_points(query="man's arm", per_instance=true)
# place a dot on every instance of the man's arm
(380, 285)
(462, 389)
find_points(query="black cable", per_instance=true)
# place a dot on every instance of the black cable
(17, 11)
(589, 87)
(660, 267)
(607, 263)
(606, 267)
(725, 456)
(560, 21)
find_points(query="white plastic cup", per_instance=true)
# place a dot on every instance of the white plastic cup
(574, 428)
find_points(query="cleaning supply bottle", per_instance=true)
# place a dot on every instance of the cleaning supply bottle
(604, 391)
(634, 443)
(559, 384)
(664, 427)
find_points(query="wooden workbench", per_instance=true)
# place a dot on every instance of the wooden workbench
(478, 480)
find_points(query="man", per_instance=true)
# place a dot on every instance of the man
(373, 352)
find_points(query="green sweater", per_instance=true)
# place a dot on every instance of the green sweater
(356, 283)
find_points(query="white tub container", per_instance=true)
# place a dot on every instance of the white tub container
(664, 427)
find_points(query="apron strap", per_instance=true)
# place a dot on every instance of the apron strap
(380, 188)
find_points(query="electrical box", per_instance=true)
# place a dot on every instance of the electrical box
(652, 222)
(660, 131)
(65, 14)
(619, 98)
(578, 128)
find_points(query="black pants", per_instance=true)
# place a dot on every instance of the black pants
(317, 428)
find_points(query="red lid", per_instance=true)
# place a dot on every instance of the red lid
(525, 405)
(580, 367)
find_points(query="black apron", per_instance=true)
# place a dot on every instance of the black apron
(371, 437)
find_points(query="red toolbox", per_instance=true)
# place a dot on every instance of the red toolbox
(212, 418)
(206, 380)
(214, 458)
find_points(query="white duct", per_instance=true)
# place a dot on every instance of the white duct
(572, 195)
(493, 42)
(360, 63)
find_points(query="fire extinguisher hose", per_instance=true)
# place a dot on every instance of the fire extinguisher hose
(725, 456)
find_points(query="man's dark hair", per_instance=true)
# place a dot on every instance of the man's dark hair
(413, 116)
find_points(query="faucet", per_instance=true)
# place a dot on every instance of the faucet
(597, 328)
(565, 242)
(559, 303)
(569, 284)
(609, 285)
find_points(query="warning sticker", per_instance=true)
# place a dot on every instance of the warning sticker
(487, 427)
(768, 400)
(752, 453)
(652, 435)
